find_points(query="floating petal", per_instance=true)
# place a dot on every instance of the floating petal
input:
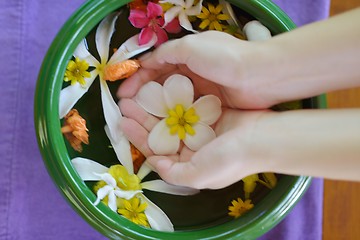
(103, 36)
(102, 193)
(185, 23)
(82, 53)
(143, 171)
(122, 150)
(158, 220)
(70, 95)
(163, 187)
(88, 170)
(112, 112)
(131, 48)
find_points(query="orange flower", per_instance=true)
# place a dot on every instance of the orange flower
(121, 70)
(75, 130)
(137, 157)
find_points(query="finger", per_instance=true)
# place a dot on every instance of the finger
(131, 85)
(131, 109)
(137, 135)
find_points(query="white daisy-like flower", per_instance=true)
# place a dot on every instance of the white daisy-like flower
(182, 9)
(121, 183)
(182, 119)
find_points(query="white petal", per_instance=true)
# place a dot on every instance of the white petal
(102, 193)
(185, 23)
(175, 2)
(189, 3)
(126, 194)
(171, 14)
(144, 170)
(112, 201)
(203, 135)
(163, 187)
(88, 170)
(82, 53)
(158, 220)
(122, 150)
(103, 36)
(111, 110)
(161, 142)
(208, 108)
(70, 95)
(256, 31)
(108, 178)
(151, 98)
(131, 48)
(178, 89)
(228, 10)
(194, 10)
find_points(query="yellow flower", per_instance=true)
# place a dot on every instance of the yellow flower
(76, 71)
(239, 207)
(180, 121)
(133, 210)
(211, 17)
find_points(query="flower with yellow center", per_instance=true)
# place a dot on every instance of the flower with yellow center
(211, 17)
(182, 119)
(239, 207)
(76, 71)
(134, 210)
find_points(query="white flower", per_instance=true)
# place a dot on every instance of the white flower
(72, 93)
(182, 119)
(182, 9)
(112, 191)
(92, 171)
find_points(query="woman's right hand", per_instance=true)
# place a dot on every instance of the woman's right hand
(217, 63)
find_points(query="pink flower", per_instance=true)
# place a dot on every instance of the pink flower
(152, 22)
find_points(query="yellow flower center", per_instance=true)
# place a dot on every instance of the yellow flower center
(76, 71)
(181, 121)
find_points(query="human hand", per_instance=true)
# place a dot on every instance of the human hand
(223, 161)
(218, 64)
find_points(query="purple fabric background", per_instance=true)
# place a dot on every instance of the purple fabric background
(30, 205)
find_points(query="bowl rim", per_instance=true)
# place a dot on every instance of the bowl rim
(76, 192)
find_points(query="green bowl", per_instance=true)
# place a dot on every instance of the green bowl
(203, 216)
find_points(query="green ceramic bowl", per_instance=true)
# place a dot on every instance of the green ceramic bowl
(202, 216)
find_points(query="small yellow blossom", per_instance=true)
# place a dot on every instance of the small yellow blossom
(180, 121)
(211, 17)
(76, 71)
(133, 210)
(239, 207)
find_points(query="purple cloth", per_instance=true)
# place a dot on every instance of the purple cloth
(30, 205)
